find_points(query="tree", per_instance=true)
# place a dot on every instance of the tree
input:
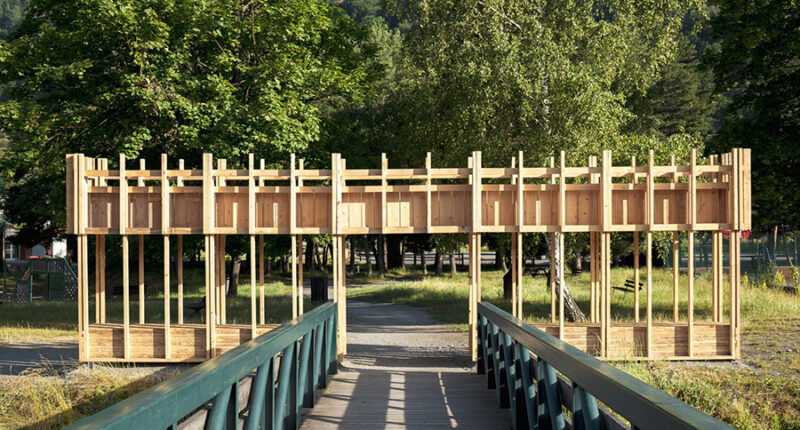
(758, 65)
(144, 77)
(507, 75)
(11, 12)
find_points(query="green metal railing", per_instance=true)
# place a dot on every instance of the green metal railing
(520, 362)
(302, 353)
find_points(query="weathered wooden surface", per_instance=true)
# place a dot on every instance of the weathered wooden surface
(405, 371)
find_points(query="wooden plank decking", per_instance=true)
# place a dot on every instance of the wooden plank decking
(404, 371)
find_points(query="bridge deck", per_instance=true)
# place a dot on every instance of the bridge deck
(404, 370)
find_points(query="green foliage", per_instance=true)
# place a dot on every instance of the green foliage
(505, 75)
(144, 77)
(757, 65)
(11, 12)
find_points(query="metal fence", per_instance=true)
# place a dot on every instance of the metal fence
(761, 254)
(301, 353)
(548, 383)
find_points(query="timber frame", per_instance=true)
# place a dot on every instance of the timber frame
(555, 200)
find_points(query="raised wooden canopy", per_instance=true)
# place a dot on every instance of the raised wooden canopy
(706, 197)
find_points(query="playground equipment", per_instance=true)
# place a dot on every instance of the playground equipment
(638, 200)
(59, 283)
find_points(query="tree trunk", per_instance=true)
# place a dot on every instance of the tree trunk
(233, 285)
(325, 256)
(415, 257)
(309, 255)
(380, 256)
(384, 254)
(571, 310)
(453, 268)
(424, 264)
(438, 263)
(394, 251)
(352, 255)
(402, 255)
(268, 269)
(579, 261)
(367, 255)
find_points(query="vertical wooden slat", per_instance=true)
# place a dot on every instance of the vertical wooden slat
(140, 242)
(97, 278)
(428, 191)
(561, 284)
(520, 257)
(553, 315)
(293, 268)
(690, 305)
(83, 349)
(300, 296)
(602, 292)
(605, 191)
(126, 306)
(102, 269)
(676, 261)
(179, 267)
(262, 312)
(167, 349)
(384, 167)
(471, 291)
(636, 276)
(649, 305)
(514, 270)
(693, 191)
(252, 259)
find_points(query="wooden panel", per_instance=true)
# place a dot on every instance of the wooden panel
(187, 210)
(627, 207)
(670, 207)
(627, 341)
(187, 341)
(451, 208)
(541, 207)
(104, 210)
(272, 210)
(313, 209)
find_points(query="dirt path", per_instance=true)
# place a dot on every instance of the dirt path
(405, 370)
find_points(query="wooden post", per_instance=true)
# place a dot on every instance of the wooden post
(262, 315)
(649, 293)
(167, 352)
(676, 260)
(602, 296)
(636, 276)
(561, 285)
(553, 269)
(211, 317)
(427, 194)
(520, 225)
(690, 305)
(252, 259)
(592, 275)
(141, 278)
(179, 266)
(514, 274)
(293, 266)
(300, 295)
(123, 226)
(292, 228)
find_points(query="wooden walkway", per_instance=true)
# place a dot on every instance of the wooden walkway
(404, 371)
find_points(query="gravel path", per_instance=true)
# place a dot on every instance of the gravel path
(404, 370)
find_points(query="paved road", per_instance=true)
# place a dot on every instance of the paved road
(18, 357)
(404, 370)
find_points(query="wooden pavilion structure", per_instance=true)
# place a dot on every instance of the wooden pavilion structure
(599, 198)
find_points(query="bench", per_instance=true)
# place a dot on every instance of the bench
(196, 306)
(539, 269)
(629, 286)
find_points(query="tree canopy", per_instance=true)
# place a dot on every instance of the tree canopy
(144, 77)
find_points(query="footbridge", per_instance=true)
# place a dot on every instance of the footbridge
(402, 370)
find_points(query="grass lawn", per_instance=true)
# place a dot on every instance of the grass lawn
(762, 390)
(47, 398)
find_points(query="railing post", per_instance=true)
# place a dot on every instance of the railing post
(284, 383)
(318, 366)
(511, 375)
(499, 368)
(292, 420)
(305, 377)
(528, 390)
(548, 385)
(481, 364)
(217, 417)
(261, 396)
